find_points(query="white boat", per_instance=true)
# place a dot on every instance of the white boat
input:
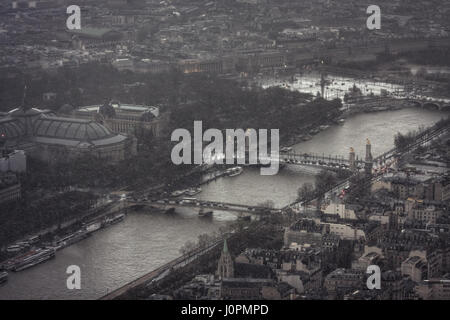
(235, 171)
(177, 193)
(14, 248)
(193, 191)
(112, 220)
(286, 149)
(33, 240)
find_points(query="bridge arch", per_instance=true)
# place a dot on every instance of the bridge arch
(445, 107)
(415, 104)
(431, 105)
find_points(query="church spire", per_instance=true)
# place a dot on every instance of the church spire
(225, 267)
(225, 246)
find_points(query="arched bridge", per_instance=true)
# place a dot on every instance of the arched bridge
(198, 204)
(442, 104)
(317, 160)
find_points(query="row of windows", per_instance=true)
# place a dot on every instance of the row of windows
(10, 194)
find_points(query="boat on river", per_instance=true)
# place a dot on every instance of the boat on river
(193, 191)
(71, 239)
(30, 259)
(205, 213)
(235, 171)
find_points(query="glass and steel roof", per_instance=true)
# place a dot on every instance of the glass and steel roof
(68, 128)
(11, 129)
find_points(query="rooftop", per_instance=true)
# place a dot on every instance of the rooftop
(118, 107)
(73, 129)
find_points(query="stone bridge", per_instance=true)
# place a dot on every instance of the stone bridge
(165, 204)
(443, 104)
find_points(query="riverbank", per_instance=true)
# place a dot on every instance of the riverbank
(61, 235)
(202, 259)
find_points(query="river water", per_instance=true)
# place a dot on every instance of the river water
(146, 240)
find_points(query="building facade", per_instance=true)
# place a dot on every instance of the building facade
(43, 135)
(14, 161)
(121, 118)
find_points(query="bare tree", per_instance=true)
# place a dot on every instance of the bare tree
(305, 192)
(267, 204)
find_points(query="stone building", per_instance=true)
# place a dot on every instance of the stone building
(342, 281)
(120, 118)
(13, 160)
(434, 289)
(43, 135)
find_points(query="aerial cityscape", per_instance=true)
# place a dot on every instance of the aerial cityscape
(224, 150)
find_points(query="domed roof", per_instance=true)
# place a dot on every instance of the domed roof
(22, 112)
(67, 128)
(11, 129)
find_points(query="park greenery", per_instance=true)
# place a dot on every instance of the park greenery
(32, 214)
(219, 103)
(324, 181)
(403, 140)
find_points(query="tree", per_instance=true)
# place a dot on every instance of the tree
(325, 180)
(187, 247)
(401, 141)
(267, 204)
(346, 97)
(204, 240)
(305, 192)
(359, 188)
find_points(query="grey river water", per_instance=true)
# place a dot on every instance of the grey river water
(146, 240)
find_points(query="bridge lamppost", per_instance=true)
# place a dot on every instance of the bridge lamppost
(368, 162)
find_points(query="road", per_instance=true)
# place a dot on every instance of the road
(164, 270)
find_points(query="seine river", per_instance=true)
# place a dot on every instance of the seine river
(146, 240)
